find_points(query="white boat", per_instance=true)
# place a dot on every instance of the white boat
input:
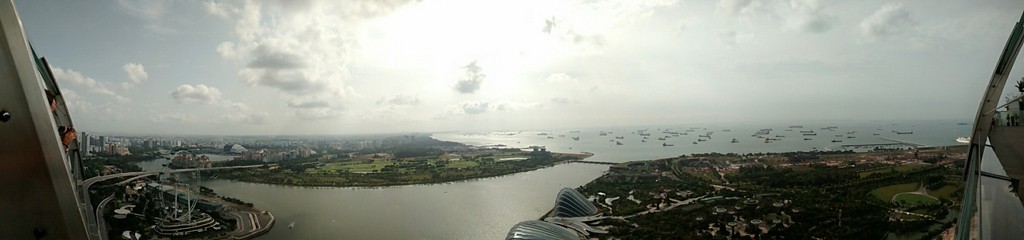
(963, 140)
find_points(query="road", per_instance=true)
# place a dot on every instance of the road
(100, 223)
(84, 186)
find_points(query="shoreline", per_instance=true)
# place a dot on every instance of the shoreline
(582, 157)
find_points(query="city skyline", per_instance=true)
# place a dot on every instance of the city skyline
(313, 67)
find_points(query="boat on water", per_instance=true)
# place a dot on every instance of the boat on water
(663, 139)
(669, 145)
(796, 126)
(735, 141)
(291, 225)
(805, 139)
(907, 132)
(694, 142)
(810, 134)
(963, 139)
(876, 134)
(619, 137)
(643, 140)
(576, 138)
(851, 137)
(701, 139)
(618, 143)
(833, 140)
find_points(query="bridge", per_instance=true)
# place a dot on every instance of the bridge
(893, 142)
(594, 162)
(94, 218)
(904, 142)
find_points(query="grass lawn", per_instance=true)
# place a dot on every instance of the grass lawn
(461, 164)
(885, 193)
(910, 217)
(915, 199)
(944, 192)
(351, 167)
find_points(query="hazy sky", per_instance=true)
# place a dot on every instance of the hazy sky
(326, 67)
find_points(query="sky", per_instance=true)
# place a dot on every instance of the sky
(352, 67)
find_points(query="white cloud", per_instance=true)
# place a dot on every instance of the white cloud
(309, 102)
(227, 50)
(136, 72)
(150, 11)
(317, 113)
(474, 107)
(246, 118)
(176, 117)
(299, 48)
(562, 100)
(235, 112)
(734, 7)
(566, 32)
(549, 24)
(889, 20)
(562, 79)
(77, 79)
(481, 107)
(812, 16)
(216, 9)
(400, 99)
(198, 93)
(471, 79)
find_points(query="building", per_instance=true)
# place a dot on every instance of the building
(117, 149)
(538, 230)
(185, 159)
(234, 148)
(85, 144)
(568, 220)
(571, 203)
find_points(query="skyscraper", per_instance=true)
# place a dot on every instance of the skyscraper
(85, 144)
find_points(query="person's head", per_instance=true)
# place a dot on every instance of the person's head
(52, 99)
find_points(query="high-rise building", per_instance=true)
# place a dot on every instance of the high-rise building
(84, 145)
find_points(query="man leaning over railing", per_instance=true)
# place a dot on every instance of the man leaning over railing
(67, 134)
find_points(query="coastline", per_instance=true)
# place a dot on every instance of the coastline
(691, 191)
(579, 157)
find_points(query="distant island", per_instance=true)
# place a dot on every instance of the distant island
(422, 160)
(888, 194)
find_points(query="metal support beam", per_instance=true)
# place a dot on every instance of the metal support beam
(983, 125)
(37, 195)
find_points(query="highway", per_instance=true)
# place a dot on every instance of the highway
(100, 223)
(93, 215)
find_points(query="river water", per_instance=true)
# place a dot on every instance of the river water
(487, 208)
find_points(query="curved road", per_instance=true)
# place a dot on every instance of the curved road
(98, 229)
